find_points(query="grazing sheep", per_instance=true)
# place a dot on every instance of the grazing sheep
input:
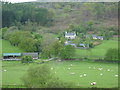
(80, 75)
(51, 68)
(93, 83)
(101, 74)
(69, 68)
(5, 70)
(100, 68)
(116, 75)
(71, 65)
(84, 74)
(89, 67)
(72, 73)
(108, 70)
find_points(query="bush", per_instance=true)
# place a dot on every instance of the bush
(42, 77)
(67, 52)
(27, 59)
(112, 54)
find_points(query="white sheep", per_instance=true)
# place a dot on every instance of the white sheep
(71, 65)
(69, 68)
(116, 75)
(51, 68)
(101, 74)
(84, 74)
(80, 75)
(100, 68)
(108, 70)
(93, 83)
(72, 73)
(5, 70)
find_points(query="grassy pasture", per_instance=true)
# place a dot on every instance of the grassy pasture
(8, 48)
(15, 70)
(98, 51)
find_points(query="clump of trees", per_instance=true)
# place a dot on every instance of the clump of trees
(42, 77)
(23, 39)
(112, 54)
(13, 13)
(57, 49)
(67, 52)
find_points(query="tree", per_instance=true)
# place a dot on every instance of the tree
(3, 31)
(56, 48)
(57, 6)
(90, 25)
(67, 8)
(47, 40)
(47, 52)
(13, 13)
(112, 54)
(67, 52)
(28, 44)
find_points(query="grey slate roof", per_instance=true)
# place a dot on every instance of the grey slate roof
(70, 34)
(30, 54)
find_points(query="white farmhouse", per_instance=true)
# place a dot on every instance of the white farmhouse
(94, 37)
(70, 35)
(97, 37)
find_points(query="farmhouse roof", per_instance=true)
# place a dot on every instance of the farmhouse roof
(90, 32)
(94, 35)
(70, 34)
(11, 54)
(100, 37)
(32, 54)
(82, 44)
(73, 44)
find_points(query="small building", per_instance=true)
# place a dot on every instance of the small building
(33, 55)
(70, 35)
(70, 43)
(73, 44)
(82, 45)
(90, 32)
(116, 36)
(100, 37)
(94, 36)
(12, 56)
(97, 37)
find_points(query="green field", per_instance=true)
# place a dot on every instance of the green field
(12, 71)
(8, 48)
(98, 51)
(15, 70)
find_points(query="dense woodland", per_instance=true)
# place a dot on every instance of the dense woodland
(35, 27)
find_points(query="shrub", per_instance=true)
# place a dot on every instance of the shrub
(67, 52)
(112, 54)
(42, 77)
(27, 59)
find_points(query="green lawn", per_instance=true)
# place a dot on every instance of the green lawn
(15, 70)
(8, 48)
(98, 51)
